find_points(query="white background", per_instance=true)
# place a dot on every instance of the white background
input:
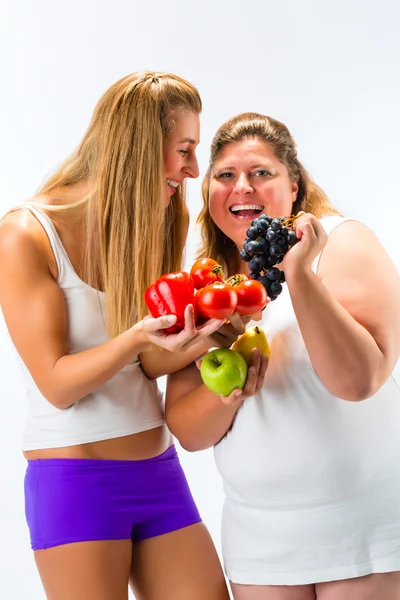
(329, 70)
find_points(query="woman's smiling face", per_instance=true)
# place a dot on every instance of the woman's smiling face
(247, 180)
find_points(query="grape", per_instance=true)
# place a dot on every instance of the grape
(273, 274)
(268, 239)
(272, 261)
(275, 288)
(281, 240)
(253, 233)
(263, 245)
(276, 225)
(251, 247)
(262, 225)
(276, 250)
(255, 264)
(244, 256)
(262, 279)
(271, 235)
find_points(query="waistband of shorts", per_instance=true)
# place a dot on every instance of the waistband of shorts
(169, 454)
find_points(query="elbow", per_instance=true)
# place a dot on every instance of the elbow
(189, 441)
(59, 399)
(356, 389)
(60, 403)
(192, 445)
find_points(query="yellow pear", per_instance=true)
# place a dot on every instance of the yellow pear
(252, 338)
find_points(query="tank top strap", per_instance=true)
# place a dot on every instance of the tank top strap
(62, 259)
(329, 223)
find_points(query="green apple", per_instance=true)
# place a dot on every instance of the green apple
(223, 370)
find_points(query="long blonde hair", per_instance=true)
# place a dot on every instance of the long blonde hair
(131, 238)
(310, 197)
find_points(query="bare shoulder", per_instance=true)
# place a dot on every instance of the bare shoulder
(354, 232)
(21, 237)
(352, 244)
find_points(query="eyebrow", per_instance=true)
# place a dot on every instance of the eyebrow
(256, 166)
(187, 140)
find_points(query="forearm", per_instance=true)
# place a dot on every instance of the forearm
(199, 419)
(343, 353)
(76, 375)
(156, 363)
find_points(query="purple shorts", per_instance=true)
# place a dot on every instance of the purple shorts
(76, 500)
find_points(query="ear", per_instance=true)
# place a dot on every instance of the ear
(295, 190)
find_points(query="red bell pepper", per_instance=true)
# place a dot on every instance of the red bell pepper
(170, 295)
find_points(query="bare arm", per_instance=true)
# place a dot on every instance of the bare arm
(35, 314)
(197, 417)
(349, 315)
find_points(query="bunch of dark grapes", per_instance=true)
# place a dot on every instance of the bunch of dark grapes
(268, 239)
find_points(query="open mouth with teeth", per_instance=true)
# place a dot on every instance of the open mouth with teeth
(172, 185)
(246, 210)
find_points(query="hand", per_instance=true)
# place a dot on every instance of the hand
(254, 381)
(313, 239)
(154, 330)
(226, 335)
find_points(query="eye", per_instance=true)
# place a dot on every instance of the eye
(262, 173)
(225, 175)
(183, 152)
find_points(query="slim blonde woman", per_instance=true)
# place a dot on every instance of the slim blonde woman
(107, 502)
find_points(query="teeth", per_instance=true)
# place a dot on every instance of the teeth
(173, 183)
(237, 207)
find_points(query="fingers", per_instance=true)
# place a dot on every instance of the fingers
(256, 374)
(190, 325)
(210, 327)
(310, 231)
(151, 324)
(236, 321)
(234, 398)
(220, 340)
(246, 320)
(262, 372)
(252, 374)
(189, 335)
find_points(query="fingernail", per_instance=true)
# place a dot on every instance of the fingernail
(238, 393)
(171, 319)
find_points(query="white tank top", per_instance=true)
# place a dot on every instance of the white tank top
(128, 403)
(304, 471)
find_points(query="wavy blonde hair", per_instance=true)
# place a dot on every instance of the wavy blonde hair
(310, 197)
(131, 237)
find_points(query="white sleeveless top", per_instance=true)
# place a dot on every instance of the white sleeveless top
(312, 482)
(128, 403)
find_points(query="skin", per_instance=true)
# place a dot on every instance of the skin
(180, 160)
(349, 321)
(31, 300)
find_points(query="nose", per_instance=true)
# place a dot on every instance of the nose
(192, 168)
(242, 185)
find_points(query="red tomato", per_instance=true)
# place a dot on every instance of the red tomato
(215, 301)
(251, 295)
(205, 271)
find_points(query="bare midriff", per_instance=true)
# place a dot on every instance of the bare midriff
(139, 446)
